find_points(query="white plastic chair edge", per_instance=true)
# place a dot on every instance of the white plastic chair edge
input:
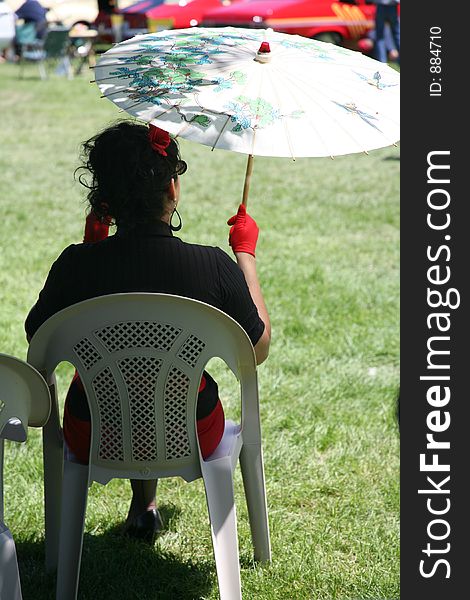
(28, 405)
(245, 370)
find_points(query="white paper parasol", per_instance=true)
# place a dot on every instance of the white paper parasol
(232, 89)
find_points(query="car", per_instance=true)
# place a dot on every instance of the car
(182, 14)
(156, 15)
(342, 22)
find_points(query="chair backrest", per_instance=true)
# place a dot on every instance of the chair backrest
(26, 34)
(56, 42)
(140, 357)
(24, 398)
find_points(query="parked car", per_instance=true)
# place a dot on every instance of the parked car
(342, 22)
(174, 14)
(157, 15)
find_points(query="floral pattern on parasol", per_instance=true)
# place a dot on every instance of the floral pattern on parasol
(212, 87)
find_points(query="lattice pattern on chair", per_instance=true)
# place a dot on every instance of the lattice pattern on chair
(87, 353)
(191, 350)
(138, 334)
(176, 434)
(140, 375)
(2, 405)
(107, 395)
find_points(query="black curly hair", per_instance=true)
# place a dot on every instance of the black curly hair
(129, 179)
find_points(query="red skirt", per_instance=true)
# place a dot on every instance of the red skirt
(77, 432)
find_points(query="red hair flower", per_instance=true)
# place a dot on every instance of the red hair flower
(159, 139)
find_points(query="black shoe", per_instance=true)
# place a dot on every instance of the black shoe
(146, 527)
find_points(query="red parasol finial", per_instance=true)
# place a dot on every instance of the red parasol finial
(264, 53)
(264, 48)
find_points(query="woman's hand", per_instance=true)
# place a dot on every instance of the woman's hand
(243, 233)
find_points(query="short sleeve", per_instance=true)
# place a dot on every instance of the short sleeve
(236, 298)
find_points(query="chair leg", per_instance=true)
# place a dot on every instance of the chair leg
(53, 466)
(218, 483)
(68, 67)
(42, 70)
(251, 463)
(10, 587)
(20, 65)
(75, 494)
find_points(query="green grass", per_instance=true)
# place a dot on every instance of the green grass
(328, 259)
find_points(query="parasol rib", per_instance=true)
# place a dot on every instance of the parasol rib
(219, 135)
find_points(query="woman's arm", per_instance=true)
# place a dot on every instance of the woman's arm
(247, 264)
(243, 237)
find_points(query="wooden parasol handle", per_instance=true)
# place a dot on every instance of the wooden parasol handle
(249, 171)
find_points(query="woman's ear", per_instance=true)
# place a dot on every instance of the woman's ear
(171, 192)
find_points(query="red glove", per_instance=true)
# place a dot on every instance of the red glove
(95, 228)
(244, 232)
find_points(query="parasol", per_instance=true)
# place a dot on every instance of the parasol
(256, 92)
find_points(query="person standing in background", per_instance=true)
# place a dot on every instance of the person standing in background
(32, 11)
(387, 12)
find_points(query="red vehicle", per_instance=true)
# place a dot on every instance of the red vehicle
(342, 22)
(179, 14)
(156, 15)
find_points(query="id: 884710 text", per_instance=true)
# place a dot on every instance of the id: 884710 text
(435, 62)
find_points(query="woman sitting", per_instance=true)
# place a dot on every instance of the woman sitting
(135, 183)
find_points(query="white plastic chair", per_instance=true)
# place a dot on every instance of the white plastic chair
(24, 401)
(140, 358)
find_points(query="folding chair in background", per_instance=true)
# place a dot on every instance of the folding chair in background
(29, 46)
(24, 401)
(140, 358)
(52, 51)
